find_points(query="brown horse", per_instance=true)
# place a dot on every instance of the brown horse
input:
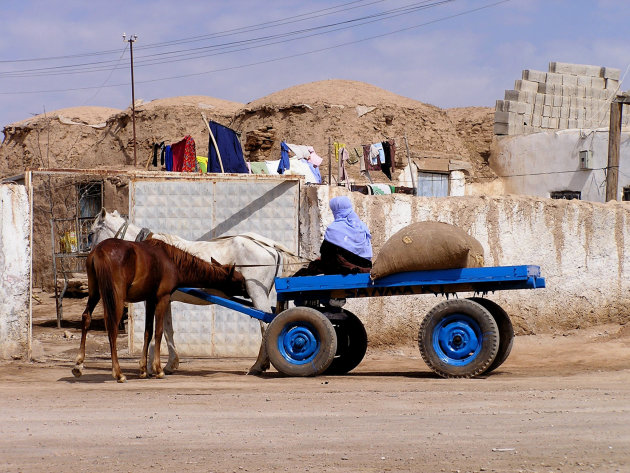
(123, 271)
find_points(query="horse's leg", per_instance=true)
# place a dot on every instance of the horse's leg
(262, 361)
(260, 300)
(111, 322)
(173, 357)
(149, 310)
(160, 308)
(93, 298)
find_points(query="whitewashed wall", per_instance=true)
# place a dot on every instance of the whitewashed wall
(541, 163)
(15, 268)
(581, 248)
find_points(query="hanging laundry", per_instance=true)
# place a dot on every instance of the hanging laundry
(300, 151)
(190, 155)
(387, 165)
(202, 164)
(367, 152)
(297, 167)
(343, 157)
(168, 158)
(392, 153)
(229, 148)
(315, 171)
(301, 167)
(158, 148)
(178, 155)
(259, 167)
(380, 189)
(337, 146)
(313, 157)
(377, 154)
(284, 163)
(184, 155)
(272, 167)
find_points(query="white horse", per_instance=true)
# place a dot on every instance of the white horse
(259, 260)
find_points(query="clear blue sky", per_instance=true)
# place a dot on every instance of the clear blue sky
(437, 51)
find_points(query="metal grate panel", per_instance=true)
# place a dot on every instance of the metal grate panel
(202, 210)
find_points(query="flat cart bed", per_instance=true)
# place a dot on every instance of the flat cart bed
(457, 338)
(444, 281)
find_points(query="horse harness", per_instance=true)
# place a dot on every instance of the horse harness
(145, 233)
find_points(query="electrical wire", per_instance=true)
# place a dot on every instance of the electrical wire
(302, 17)
(108, 77)
(380, 35)
(195, 53)
(339, 45)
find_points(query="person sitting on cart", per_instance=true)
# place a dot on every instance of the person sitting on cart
(347, 246)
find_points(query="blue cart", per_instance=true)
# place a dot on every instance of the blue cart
(458, 338)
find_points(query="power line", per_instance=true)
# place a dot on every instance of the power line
(277, 59)
(296, 18)
(108, 77)
(228, 47)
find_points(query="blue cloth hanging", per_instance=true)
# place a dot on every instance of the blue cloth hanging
(230, 148)
(284, 163)
(168, 158)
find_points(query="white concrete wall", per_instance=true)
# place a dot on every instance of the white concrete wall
(580, 247)
(15, 270)
(540, 163)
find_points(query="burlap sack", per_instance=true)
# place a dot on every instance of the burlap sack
(425, 246)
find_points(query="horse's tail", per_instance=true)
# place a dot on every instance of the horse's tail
(103, 270)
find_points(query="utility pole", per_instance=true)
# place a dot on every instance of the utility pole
(614, 145)
(131, 40)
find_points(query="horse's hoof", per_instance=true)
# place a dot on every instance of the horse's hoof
(77, 372)
(143, 374)
(160, 375)
(170, 369)
(254, 371)
(122, 379)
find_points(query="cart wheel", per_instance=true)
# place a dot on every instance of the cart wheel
(300, 342)
(458, 339)
(506, 331)
(351, 342)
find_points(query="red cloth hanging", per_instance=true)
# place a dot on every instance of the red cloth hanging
(178, 155)
(190, 155)
(184, 155)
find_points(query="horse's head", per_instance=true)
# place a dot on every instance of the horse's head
(107, 225)
(234, 282)
(100, 229)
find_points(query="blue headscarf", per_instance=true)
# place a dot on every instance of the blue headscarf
(348, 231)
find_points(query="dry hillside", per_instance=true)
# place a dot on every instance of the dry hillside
(354, 113)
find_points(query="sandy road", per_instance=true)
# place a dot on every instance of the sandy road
(558, 404)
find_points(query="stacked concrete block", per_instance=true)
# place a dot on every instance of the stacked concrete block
(566, 96)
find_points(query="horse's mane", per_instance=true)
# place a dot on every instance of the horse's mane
(188, 263)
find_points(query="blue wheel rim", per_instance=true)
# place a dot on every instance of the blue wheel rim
(298, 343)
(457, 339)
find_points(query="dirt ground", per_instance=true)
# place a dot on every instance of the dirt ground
(559, 403)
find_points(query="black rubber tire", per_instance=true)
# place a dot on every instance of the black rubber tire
(506, 331)
(286, 330)
(352, 342)
(445, 320)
